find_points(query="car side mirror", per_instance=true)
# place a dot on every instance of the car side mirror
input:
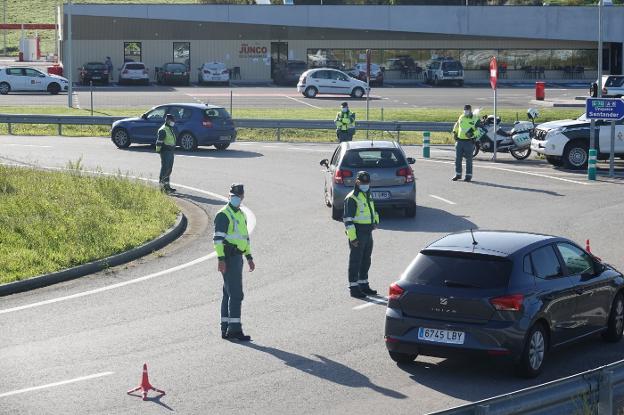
(411, 160)
(144, 116)
(324, 163)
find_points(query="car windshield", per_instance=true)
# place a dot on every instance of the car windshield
(96, 66)
(614, 81)
(135, 66)
(362, 158)
(583, 117)
(458, 269)
(179, 67)
(216, 113)
(451, 66)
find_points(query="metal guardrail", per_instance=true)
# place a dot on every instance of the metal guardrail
(599, 391)
(393, 126)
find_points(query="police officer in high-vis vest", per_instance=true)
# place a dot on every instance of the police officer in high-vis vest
(360, 219)
(165, 145)
(464, 132)
(231, 242)
(345, 123)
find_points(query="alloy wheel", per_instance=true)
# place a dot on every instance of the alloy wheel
(578, 156)
(536, 350)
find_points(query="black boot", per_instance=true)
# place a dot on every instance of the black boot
(366, 289)
(356, 292)
(456, 178)
(468, 178)
(170, 189)
(238, 336)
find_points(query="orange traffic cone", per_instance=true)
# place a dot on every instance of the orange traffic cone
(145, 385)
(587, 247)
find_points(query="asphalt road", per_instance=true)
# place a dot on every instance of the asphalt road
(421, 96)
(76, 347)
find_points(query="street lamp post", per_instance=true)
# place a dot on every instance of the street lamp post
(70, 64)
(592, 124)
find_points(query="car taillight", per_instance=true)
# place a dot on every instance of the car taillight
(340, 175)
(508, 302)
(395, 291)
(406, 172)
(207, 123)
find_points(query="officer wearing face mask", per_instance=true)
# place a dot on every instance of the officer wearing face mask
(165, 145)
(345, 123)
(464, 132)
(231, 242)
(360, 219)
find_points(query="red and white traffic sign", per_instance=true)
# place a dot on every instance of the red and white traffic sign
(493, 72)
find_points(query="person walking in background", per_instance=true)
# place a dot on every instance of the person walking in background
(109, 65)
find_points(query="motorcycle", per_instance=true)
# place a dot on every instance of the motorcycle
(517, 141)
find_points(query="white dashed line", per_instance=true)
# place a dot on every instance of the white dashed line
(301, 102)
(443, 199)
(52, 385)
(29, 145)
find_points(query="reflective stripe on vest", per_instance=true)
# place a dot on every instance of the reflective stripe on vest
(237, 233)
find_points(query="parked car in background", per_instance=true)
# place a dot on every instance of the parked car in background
(288, 73)
(173, 73)
(93, 71)
(134, 72)
(445, 70)
(612, 87)
(213, 72)
(516, 296)
(329, 81)
(376, 74)
(16, 78)
(195, 125)
(392, 178)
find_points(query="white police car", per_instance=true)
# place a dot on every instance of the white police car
(30, 79)
(566, 142)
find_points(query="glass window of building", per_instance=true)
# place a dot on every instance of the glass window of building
(132, 52)
(182, 53)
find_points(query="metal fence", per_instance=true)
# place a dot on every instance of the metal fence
(599, 391)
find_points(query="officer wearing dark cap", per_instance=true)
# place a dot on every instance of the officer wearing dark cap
(165, 145)
(231, 242)
(345, 123)
(464, 132)
(360, 219)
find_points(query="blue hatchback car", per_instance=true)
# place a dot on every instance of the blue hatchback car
(195, 125)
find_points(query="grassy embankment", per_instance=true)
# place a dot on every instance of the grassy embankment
(55, 220)
(390, 114)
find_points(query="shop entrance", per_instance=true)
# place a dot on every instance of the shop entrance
(279, 56)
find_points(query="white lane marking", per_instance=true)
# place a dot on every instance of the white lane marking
(26, 145)
(196, 157)
(251, 221)
(302, 102)
(528, 173)
(52, 385)
(443, 199)
(373, 301)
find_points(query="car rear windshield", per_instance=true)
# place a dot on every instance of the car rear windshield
(463, 270)
(176, 67)
(215, 66)
(216, 113)
(97, 66)
(451, 66)
(615, 81)
(362, 158)
(135, 66)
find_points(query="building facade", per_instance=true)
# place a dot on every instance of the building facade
(552, 43)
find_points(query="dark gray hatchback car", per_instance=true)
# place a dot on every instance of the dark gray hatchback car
(516, 295)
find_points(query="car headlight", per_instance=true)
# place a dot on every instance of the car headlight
(554, 131)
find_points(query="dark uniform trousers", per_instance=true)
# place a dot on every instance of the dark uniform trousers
(166, 165)
(232, 293)
(360, 256)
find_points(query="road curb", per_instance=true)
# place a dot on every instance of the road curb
(91, 267)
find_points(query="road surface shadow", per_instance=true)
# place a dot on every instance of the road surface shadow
(523, 189)
(427, 220)
(156, 400)
(199, 199)
(473, 379)
(326, 369)
(200, 152)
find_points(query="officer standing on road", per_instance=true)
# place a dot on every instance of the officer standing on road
(360, 219)
(165, 145)
(231, 242)
(109, 65)
(464, 132)
(345, 124)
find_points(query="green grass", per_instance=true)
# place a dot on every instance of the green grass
(290, 135)
(55, 220)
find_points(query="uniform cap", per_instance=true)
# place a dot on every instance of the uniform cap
(363, 177)
(467, 107)
(169, 117)
(344, 104)
(237, 189)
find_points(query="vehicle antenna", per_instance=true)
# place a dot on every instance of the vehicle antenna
(474, 241)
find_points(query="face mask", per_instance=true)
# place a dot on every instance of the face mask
(364, 188)
(345, 110)
(235, 201)
(171, 123)
(468, 113)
